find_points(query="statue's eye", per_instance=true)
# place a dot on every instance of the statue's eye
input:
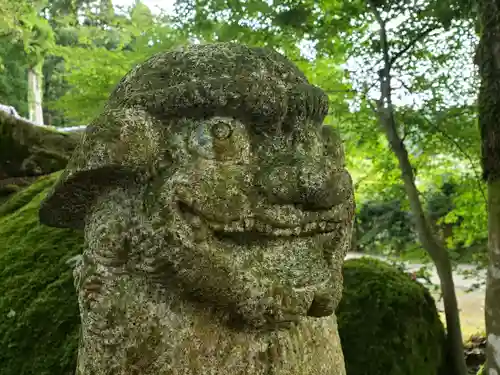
(221, 130)
(219, 138)
(203, 142)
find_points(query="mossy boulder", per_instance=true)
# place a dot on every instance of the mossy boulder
(29, 150)
(38, 307)
(388, 323)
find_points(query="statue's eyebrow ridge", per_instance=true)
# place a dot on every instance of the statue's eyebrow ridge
(268, 102)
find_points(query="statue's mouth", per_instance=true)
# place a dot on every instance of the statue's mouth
(255, 228)
(256, 231)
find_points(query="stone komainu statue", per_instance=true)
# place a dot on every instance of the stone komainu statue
(217, 212)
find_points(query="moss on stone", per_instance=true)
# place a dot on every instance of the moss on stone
(24, 196)
(7, 190)
(388, 323)
(10, 186)
(28, 150)
(38, 307)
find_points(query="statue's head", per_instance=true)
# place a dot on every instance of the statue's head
(242, 193)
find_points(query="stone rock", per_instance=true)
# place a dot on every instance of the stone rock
(27, 150)
(216, 212)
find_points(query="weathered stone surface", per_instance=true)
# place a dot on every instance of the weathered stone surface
(28, 151)
(217, 212)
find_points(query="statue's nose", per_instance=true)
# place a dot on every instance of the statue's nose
(321, 190)
(312, 186)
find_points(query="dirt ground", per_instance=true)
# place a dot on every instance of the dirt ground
(471, 307)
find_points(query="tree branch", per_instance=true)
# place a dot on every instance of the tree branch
(352, 91)
(457, 145)
(411, 44)
(383, 35)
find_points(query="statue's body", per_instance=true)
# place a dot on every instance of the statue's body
(217, 213)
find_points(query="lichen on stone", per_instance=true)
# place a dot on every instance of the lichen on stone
(217, 212)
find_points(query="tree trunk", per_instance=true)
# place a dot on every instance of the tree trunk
(488, 59)
(426, 235)
(432, 245)
(35, 93)
(492, 301)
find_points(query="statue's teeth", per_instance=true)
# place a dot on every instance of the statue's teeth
(260, 227)
(217, 226)
(283, 232)
(232, 227)
(331, 226)
(249, 223)
(309, 227)
(237, 226)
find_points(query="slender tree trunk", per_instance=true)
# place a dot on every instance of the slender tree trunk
(427, 237)
(432, 245)
(492, 301)
(35, 93)
(488, 59)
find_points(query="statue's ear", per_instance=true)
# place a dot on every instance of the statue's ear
(117, 149)
(72, 196)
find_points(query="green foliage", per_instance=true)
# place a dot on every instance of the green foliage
(97, 59)
(280, 23)
(383, 227)
(39, 325)
(85, 47)
(22, 24)
(388, 323)
(384, 224)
